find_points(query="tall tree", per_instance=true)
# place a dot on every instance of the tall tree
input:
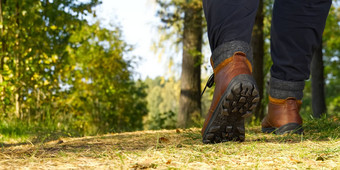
(17, 62)
(257, 43)
(186, 17)
(190, 100)
(318, 84)
(2, 57)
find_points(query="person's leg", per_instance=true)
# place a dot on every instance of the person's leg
(230, 24)
(297, 27)
(229, 20)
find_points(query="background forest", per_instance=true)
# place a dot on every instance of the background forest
(60, 73)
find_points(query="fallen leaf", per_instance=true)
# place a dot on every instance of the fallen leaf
(178, 131)
(294, 160)
(168, 162)
(163, 140)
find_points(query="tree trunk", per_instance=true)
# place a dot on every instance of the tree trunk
(318, 83)
(2, 49)
(190, 99)
(257, 44)
(2, 58)
(17, 66)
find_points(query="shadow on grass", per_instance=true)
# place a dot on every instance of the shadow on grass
(40, 136)
(55, 145)
(92, 145)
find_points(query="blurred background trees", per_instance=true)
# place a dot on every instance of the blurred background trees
(58, 72)
(184, 19)
(324, 66)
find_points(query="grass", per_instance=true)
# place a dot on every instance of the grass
(318, 148)
(11, 132)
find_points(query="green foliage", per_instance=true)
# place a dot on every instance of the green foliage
(170, 31)
(332, 59)
(102, 94)
(162, 99)
(163, 102)
(58, 72)
(12, 130)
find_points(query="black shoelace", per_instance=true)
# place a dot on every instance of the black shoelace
(209, 84)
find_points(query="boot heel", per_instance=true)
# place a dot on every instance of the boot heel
(238, 102)
(242, 95)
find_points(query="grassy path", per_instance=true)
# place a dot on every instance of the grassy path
(319, 148)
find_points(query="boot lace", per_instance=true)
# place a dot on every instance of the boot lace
(209, 84)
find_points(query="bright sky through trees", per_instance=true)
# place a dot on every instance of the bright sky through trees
(138, 22)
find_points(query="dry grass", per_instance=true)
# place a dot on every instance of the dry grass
(176, 149)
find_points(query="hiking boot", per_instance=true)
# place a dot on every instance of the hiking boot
(283, 116)
(235, 97)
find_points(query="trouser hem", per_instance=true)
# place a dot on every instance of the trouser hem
(281, 89)
(227, 50)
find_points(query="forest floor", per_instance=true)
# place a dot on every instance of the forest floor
(318, 148)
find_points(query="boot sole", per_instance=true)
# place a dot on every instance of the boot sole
(294, 128)
(237, 103)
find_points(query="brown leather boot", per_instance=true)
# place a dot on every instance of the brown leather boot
(283, 116)
(235, 97)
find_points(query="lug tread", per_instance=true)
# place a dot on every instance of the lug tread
(237, 104)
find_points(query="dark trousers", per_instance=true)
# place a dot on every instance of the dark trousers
(297, 27)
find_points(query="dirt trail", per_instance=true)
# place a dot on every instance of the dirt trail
(173, 149)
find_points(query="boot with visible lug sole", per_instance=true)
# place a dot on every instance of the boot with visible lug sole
(235, 97)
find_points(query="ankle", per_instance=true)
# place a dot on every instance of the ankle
(281, 90)
(227, 50)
